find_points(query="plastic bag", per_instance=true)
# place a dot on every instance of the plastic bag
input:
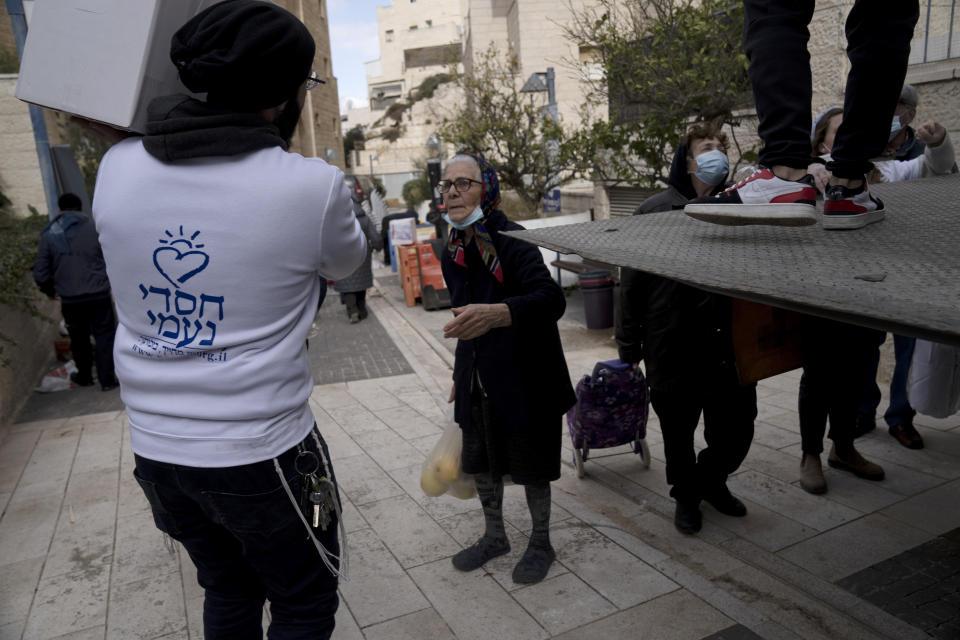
(442, 473)
(58, 379)
(933, 384)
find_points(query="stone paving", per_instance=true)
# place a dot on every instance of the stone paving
(80, 557)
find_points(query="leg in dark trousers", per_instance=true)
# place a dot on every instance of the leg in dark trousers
(103, 322)
(353, 306)
(878, 46)
(76, 315)
(728, 415)
(362, 303)
(835, 355)
(775, 37)
(679, 414)
(869, 394)
(249, 544)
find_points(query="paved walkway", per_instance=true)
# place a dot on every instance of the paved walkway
(80, 557)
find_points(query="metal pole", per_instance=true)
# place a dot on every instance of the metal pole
(551, 93)
(953, 7)
(926, 34)
(18, 20)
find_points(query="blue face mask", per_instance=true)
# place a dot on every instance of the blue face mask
(475, 215)
(712, 167)
(895, 128)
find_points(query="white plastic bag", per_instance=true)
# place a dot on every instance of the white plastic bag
(57, 379)
(933, 385)
(442, 473)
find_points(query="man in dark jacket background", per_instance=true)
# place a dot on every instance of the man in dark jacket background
(69, 264)
(683, 336)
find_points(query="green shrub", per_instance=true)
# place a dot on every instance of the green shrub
(416, 191)
(9, 62)
(19, 238)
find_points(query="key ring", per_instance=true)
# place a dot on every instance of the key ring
(306, 457)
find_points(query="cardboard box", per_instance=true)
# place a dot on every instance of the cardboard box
(104, 60)
(403, 231)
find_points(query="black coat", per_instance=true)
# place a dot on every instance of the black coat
(521, 367)
(77, 275)
(680, 332)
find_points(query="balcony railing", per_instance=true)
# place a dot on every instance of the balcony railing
(937, 36)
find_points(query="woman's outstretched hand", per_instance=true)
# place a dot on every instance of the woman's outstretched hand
(474, 320)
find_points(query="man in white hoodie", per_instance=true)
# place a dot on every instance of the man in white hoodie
(214, 236)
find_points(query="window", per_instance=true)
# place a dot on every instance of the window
(388, 35)
(937, 35)
(413, 27)
(429, 24)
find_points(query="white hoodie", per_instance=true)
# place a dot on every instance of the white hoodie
(214, 264)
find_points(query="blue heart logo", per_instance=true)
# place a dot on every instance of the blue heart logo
(177, 266)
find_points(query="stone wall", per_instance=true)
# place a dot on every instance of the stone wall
(31, 355)
(19, 168)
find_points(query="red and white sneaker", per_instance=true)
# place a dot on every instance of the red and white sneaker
(763, 198)
(845, 208)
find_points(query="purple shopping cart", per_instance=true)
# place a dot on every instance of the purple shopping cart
(611, 410)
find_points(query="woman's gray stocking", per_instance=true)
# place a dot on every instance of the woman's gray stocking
(494, 541)
(536, 561)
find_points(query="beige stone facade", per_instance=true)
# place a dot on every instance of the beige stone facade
(418, 38)
(319, 134)
(19, 168)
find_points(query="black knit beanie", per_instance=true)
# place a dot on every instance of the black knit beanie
(245, 54)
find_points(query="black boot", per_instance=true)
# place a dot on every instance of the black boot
(687, 517)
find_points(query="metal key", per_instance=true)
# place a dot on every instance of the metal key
(321, 497)
(307, 464)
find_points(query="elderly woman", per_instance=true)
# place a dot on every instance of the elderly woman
(511, 383)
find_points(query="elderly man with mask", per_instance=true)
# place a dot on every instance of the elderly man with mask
(683, 336)
(214, 236)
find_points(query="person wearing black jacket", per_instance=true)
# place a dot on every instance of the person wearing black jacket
(69, 264)
(511, 383)
(683, 336)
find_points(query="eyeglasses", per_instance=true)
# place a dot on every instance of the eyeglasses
(314, 80)
(462, 184)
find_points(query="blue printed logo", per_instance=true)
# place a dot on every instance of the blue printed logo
(189, 325)
(177, 265)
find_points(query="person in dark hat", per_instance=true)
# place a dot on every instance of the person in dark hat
(216, 239)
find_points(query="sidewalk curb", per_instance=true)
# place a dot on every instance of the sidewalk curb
(434, 344)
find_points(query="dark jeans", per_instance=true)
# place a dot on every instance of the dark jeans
(248, 544)
(878, 44)
(356, 302)
(92, 318)
(834, 356)
(729, 410)
(899, 411)
(323, 292)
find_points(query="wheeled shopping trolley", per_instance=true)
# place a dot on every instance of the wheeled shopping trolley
(611, 410)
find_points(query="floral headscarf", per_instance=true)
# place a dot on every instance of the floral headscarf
(488, 203)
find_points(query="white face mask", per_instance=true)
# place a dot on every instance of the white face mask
(712, 167)
(475, 215)
(895, 128)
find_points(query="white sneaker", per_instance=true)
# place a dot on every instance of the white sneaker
(763, 198)
(845, 208)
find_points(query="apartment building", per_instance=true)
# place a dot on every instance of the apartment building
(419, 38)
